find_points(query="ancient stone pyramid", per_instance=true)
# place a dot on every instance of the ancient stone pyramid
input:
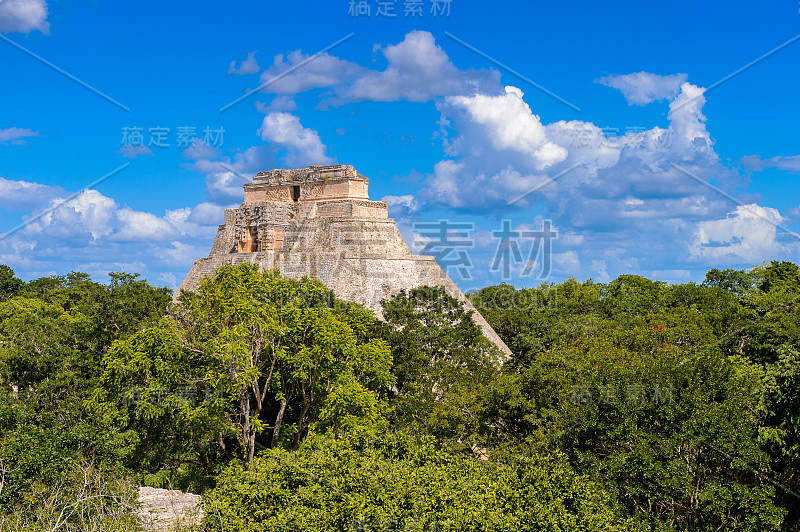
(319, 222)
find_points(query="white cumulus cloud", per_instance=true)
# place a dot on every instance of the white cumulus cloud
(642, 88)
(510, 125)
(303, 145)
(24, 195)
(137, 225)
(23, 16)
(407, 201)
(417, 70)
(248, 66)
(747, 234)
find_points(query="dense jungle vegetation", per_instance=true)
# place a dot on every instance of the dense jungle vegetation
(629, 405)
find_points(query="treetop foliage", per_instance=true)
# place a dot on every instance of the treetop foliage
(628, 405)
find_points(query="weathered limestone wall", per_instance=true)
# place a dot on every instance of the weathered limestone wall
(364, 278)
(283, 194)
(355, 208)
(345, 235)
(310, 188)
(312, 173)
(333, 232)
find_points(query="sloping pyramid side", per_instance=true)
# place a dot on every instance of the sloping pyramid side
(362, 259)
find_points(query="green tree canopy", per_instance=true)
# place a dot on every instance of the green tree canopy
(397, 483)
(250, 360)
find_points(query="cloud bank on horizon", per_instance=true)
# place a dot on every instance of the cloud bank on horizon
(624, 203)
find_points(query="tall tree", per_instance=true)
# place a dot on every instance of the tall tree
(9, 283)
(272, 349)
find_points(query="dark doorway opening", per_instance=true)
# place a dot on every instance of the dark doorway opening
(295, 193)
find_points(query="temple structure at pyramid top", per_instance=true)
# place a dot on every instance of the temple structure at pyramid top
(319, 222)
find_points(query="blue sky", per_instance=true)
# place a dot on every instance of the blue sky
(652, 175)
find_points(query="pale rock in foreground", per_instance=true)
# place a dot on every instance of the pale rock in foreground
(162, 510)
